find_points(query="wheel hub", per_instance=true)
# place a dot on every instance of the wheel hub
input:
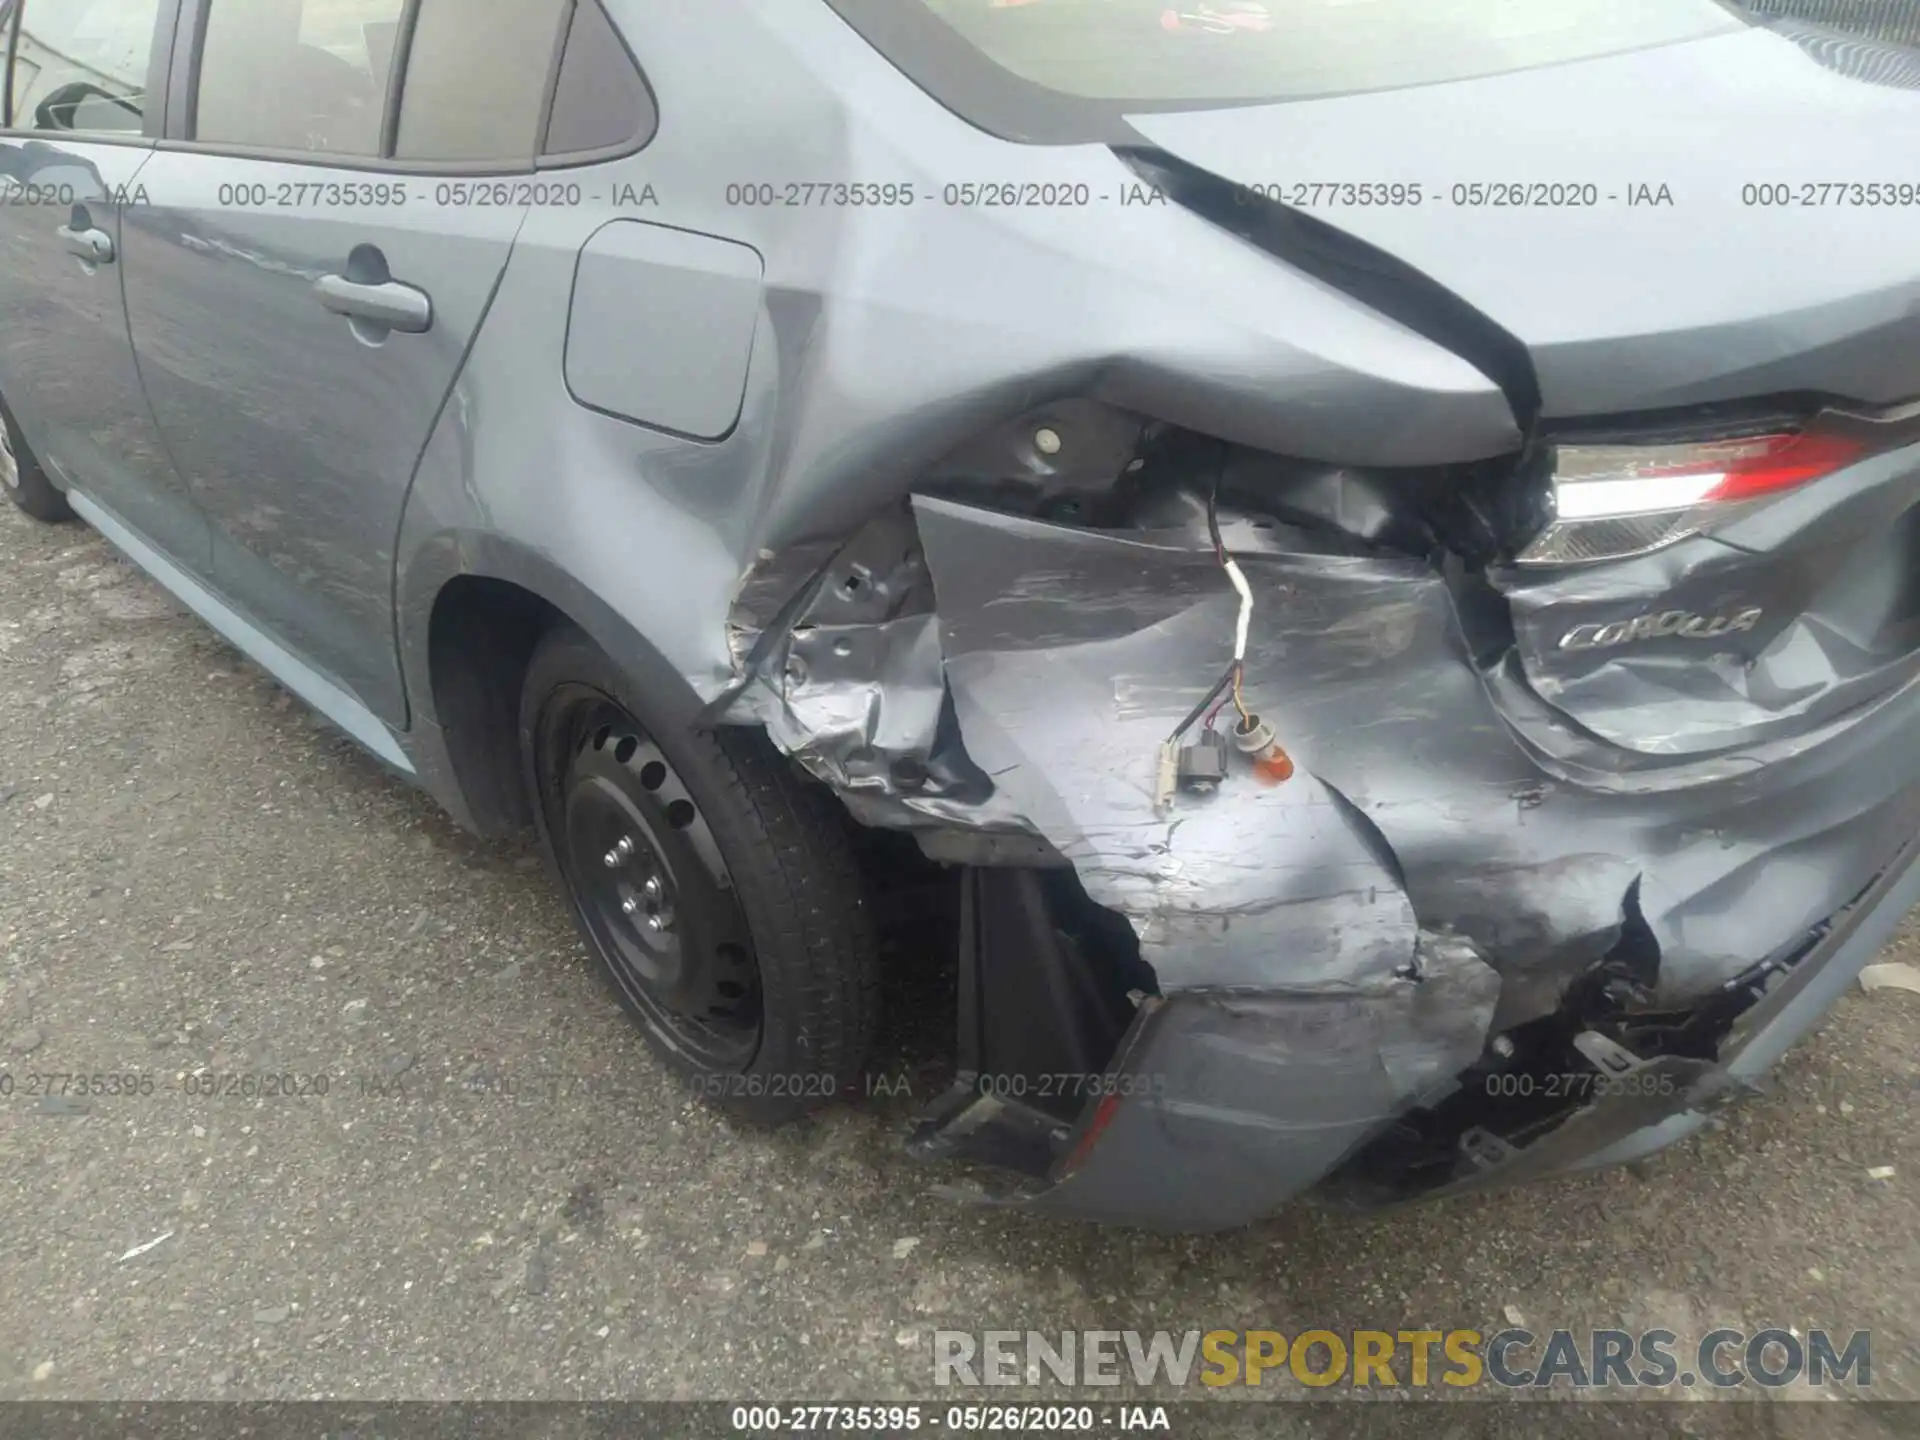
(652, 907)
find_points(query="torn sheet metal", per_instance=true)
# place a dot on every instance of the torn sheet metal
(1072, 654)
(1450, 861)
(838, 650)
(1008, 682)
(1470, 806)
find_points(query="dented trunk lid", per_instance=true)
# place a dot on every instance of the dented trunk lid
(1669, 234)
(1688, 223)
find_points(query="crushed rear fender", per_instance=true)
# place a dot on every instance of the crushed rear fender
(1454, 883)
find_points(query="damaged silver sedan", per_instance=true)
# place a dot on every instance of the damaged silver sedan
(1378, 543)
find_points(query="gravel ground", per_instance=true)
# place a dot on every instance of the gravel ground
(502, 1196)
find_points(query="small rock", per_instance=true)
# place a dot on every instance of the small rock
(1814, 1273)
(756, 1248)
(906, 1339)
(43, 1371)
(1880, 1172)
(354, 1008)
(1892, 975)
(538, 1269)
(398, 1064)
(41, 803)
(780, 1264)
(1512, 1315)
(26, 1041)
(141, 1249)
(159, 1042)
(604, 1331)
(905, 1246)
(1846, 1107)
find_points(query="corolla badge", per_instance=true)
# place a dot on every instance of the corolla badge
(1679, 624)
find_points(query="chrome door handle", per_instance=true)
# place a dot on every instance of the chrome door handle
(393, 305)
(94, 246)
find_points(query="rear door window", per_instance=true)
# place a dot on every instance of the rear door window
(478, 79)
(299, 75)
(477, 88)
(80, 65)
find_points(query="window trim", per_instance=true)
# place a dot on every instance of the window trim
(184, 102)
(160, 55)
(633, 144)
(13, 7)
(402, 62)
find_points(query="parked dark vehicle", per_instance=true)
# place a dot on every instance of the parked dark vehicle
(1381, 543)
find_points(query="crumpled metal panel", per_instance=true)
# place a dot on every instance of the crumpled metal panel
(838, 652)
(1818, 580)
(1071, 655)
(1429, 793)
(1238, 1101)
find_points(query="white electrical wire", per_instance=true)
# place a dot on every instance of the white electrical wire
(1246, 609)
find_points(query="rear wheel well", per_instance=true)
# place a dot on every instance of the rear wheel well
(479, 641)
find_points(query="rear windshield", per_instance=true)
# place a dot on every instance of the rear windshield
(992, 59)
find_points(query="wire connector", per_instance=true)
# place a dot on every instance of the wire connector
(1203, 764)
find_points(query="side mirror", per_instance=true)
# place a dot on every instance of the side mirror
(60, 109)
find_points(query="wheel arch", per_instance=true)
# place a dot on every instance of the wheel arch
(472, 606)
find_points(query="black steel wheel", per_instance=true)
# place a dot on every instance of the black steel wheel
(717, 892)
(24, 481)
(652, 889)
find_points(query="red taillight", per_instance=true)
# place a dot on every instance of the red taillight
(1783, 462)
(1612, 501)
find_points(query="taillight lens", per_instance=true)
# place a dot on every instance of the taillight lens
(1613, 501)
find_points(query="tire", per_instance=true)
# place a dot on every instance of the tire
(24, 481)
(733, 926)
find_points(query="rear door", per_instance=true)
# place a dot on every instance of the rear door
(76, 139)
(332, 211)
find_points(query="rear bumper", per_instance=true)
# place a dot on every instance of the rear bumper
(1782, 1016)
(1228, 1104)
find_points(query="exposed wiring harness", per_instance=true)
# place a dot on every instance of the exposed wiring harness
(1230, 686)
